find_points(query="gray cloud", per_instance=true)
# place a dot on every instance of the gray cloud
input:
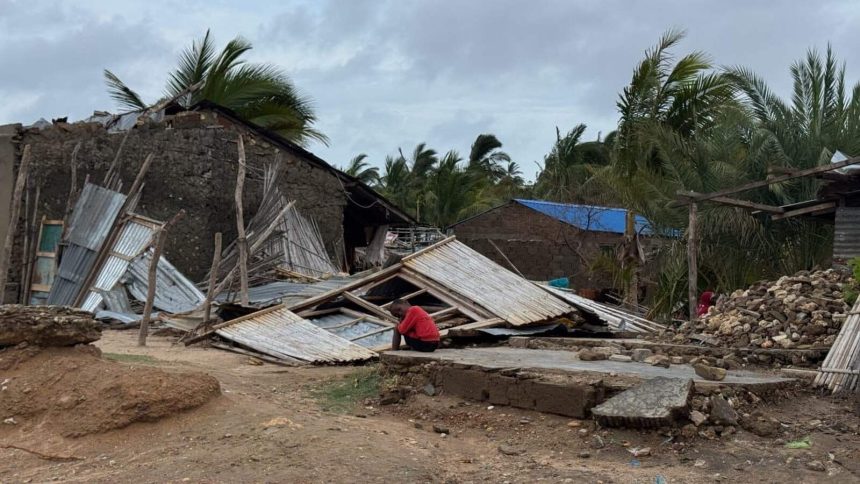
(394, 73)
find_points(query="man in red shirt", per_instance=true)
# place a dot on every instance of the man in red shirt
(416, 326)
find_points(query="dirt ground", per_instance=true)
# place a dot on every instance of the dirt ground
(268, 426)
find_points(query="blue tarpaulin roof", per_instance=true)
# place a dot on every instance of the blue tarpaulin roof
(588, 217)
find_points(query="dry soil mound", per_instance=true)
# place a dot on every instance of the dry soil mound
(74, 392)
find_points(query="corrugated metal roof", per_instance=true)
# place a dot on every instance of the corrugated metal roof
(283, 334)
(76, 263)
(846, 237)
(588, 217)
(499, 291)
(289, 292)
(93, 216)
(359, 332)
(174, 292)
(134, 238)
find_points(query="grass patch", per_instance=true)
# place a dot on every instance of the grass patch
(129, 358)
(343, 394)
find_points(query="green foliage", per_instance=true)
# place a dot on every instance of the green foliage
(343, 394)
(260, 93)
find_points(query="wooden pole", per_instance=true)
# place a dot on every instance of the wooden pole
(32, 248)
(160, 237)
(73, 185)
(692, 264)
(213, 276)
(631, 292)
(240, 227)
(6, 251)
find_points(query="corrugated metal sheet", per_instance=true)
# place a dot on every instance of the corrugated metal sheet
(93, 216)
(499, 291)
(846, 238)
(283, 334)
(134, 238)
(174, 293)
(588, 217)
(359, 333)
(76, 263)
(288, 292)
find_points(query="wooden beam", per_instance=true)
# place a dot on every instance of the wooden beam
(486, 323)
(373, 308)
(770, 181)
(6, 250)
(445, 312)
(313, 301)
(806, 210)
(213, 275)
(242, 241)
(406, 297)
(692, 263)
(738, 203)
(151, 280)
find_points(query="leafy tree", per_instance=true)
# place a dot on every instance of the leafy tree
(486, 157)
(259, 93)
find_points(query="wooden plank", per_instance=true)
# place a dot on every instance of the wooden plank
(486, 323)
(6, 251)
(445, 312)
(373, 308)
(468, 308)
(213, 275)
(744, 204)
(321, 312)
(770, 181)
(313, 301)
(406, 297)
(807, 210)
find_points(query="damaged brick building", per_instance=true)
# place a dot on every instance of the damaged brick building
(194, 167)
(547, 240)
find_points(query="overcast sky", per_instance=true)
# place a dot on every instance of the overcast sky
(388, 74)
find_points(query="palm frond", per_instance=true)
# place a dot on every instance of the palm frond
(123, 94)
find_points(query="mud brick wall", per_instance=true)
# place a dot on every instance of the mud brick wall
(194, 168)
(541, 247)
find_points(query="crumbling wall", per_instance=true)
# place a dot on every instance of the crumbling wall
(541, 247)
(194, 168)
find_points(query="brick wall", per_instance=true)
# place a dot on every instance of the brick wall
(540, 246)
(194, 168)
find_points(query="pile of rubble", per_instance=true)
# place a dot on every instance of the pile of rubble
(801, 311)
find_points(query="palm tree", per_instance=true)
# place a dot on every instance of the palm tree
(569, 166)
(259, 93)
(450, 191)
(396, 181)
(361, 169)
(485, 157)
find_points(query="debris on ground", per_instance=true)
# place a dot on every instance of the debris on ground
(654, 403)
(801, 311)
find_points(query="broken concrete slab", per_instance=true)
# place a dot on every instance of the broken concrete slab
(566, 362)
(658, 402)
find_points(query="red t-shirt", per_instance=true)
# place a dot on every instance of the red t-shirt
(419, 325)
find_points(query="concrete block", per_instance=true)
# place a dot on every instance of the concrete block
(655, 403)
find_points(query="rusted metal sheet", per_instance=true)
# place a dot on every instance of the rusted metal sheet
(283, 334)
(467, 273)
(846, 238)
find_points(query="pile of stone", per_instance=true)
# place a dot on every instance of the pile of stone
(801, 311)
(46, 326)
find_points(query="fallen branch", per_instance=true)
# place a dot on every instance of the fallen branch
(54, 458)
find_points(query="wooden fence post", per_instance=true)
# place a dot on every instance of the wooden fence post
(213, 276)
(160, 237)
(692, 263)
(242, 241)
